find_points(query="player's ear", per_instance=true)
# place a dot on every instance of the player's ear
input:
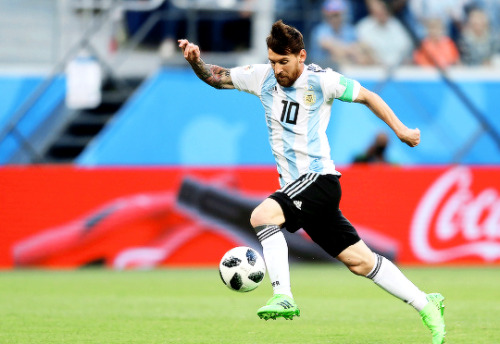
(302, 56)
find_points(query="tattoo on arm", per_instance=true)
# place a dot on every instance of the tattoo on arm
(213, 75)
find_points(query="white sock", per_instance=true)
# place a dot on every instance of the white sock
(275, 251)
(387, 276)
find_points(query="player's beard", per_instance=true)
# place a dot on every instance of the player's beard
(286, 80)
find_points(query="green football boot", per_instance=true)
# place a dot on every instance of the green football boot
(433, 317)
(280, 305)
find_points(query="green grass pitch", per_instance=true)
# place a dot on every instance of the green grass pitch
(184, 306)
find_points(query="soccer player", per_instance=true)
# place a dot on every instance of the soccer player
(297, 99)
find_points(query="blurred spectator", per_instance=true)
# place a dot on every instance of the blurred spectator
(376, 152)
(478, 44)
(388, 40)
(491, 8)
(398, 8)
(451, 12)
(401, 10)
(359, 10)
(334, 40)
(436, 47)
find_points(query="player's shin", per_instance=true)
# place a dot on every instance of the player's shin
(275, 250)
(387, 276)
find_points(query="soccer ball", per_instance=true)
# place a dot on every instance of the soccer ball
(242, 269)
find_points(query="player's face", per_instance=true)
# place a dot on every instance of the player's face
(287, 68)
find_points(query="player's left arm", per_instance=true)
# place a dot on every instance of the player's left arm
(380, 108)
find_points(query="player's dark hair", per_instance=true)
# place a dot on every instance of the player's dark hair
(285, 39)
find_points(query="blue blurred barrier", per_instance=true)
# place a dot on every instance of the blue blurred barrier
(175, 119)
(15, 91)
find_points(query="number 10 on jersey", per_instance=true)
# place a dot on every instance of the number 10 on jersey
(290, 112)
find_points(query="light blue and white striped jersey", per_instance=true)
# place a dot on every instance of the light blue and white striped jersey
(297, 117)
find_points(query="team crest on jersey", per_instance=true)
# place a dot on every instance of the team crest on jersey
(309, 97)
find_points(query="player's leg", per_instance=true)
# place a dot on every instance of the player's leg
(309, 197)
(267, 219)
(336, 235)
(362, 261)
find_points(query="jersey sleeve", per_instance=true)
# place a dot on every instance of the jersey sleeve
(250, 78)
(337, 86)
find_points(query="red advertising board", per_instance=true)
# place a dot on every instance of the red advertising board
(66, 216)
(436, 215)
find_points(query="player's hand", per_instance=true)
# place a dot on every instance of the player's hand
(410, 136)
(191, 51)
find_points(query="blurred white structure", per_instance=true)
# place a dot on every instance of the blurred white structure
(37, 34)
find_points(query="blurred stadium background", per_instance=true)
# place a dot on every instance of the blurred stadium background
(113, 153)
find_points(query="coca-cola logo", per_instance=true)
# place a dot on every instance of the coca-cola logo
(450, 222)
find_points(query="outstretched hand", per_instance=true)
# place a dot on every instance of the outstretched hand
(191, 51)
(411, 137)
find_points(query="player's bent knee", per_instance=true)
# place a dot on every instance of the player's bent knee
(268, 212)
(257, 218)
(358, 258)
(360, 267)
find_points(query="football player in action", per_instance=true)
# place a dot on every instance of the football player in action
(297, 100)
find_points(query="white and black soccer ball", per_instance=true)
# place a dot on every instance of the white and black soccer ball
(242, 269)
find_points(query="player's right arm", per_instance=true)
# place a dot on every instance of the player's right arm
(215, 76)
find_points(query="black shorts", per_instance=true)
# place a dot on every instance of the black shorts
(312, 202)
